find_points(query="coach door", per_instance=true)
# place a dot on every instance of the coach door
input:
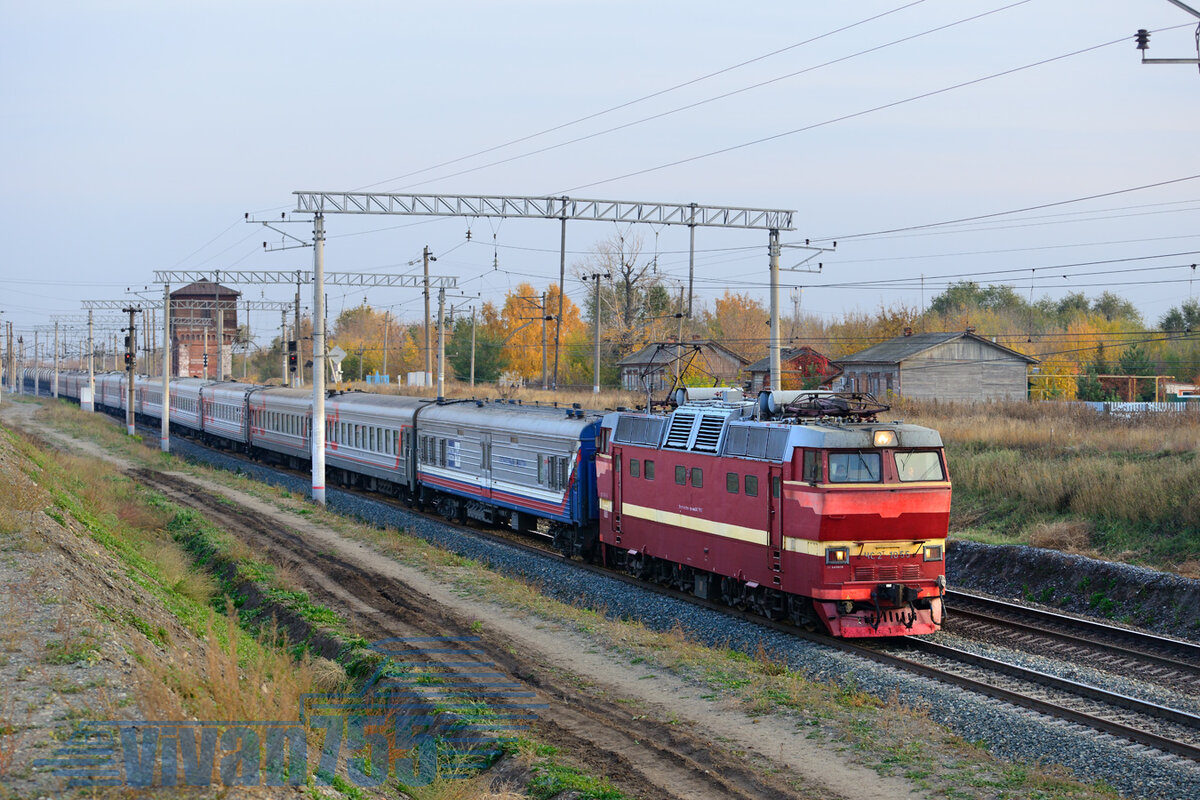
(775, 521)
(617, 463)
(485, 463)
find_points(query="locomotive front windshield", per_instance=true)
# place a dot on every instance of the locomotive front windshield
(919, 465)
(855, 467)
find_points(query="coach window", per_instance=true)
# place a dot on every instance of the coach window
(731, 482)
(634, 468)
(697, 477)
(649, 470)
(681, 476)
(751, 486)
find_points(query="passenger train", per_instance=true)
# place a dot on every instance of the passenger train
(801, 505)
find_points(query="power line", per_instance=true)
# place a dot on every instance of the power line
(643, 98)
(1011, 211)
(714, 98)
(843, 118)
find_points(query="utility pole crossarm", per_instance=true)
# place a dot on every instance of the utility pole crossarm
(565, 208)
(361, 279)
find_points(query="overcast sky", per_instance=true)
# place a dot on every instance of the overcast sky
(136, 134)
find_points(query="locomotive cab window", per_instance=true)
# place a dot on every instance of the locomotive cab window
(919, 466)
(812, 466)
(854, 467)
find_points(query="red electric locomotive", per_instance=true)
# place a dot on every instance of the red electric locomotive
(817, 512)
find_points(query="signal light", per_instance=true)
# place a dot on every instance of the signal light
(1143, 39)
(292, 361)
(129, 359)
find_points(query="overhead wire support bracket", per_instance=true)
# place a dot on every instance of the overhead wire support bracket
(1143, 40)
(806, 246)
(271, 226)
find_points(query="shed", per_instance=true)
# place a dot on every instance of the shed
(654, 367)
(938, 366)
(798, 366)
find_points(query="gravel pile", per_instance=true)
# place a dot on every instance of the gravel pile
(1008, 732)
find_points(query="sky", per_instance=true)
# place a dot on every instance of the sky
(136, 135)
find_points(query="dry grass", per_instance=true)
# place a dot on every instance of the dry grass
(1054, 427)
(1072, 536)
(241, 678)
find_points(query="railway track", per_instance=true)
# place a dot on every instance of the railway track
(1159, 659)
(1138, 722)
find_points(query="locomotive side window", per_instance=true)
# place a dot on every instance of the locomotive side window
(752, 486)
(731, 482)
(776, 483)
(697, 477)
(854, 467)
(919, 466)
(649, 471)
(681, 476)
(634, 468)
(812, 466)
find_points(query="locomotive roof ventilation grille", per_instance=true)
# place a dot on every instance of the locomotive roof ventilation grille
(681, 430)
(756, 441)
(699, 429)
(639, 430)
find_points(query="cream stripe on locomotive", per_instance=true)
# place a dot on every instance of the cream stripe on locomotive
(752, 535)
(759, 536)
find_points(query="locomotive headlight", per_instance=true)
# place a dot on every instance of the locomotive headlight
(884, 439)
(933, 552)
(837, 555)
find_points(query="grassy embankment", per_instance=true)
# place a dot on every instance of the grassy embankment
(1064, 477)
(887, 736)
(228, 598)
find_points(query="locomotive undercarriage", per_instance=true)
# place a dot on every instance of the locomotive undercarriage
(742, 595)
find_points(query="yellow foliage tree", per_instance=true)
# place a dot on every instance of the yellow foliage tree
(740, 323)
(520, 321)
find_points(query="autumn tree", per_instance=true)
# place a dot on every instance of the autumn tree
(631, 293)
(740, 323)
(522, 322)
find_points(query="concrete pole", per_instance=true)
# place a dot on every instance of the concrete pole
(37, 363)
(283, 351)
(472, 347)
(298, 379)
(54, 385)
(773, 347)
(562, 291)
(165, 436)
(130, 428)
(691, 259)
(428, 347)
(544, 384)
(205, 361)
(385, 340)
(596, 337)
(441, 384)
(318, 421)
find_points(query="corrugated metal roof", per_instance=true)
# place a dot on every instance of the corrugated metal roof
(902, 348)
